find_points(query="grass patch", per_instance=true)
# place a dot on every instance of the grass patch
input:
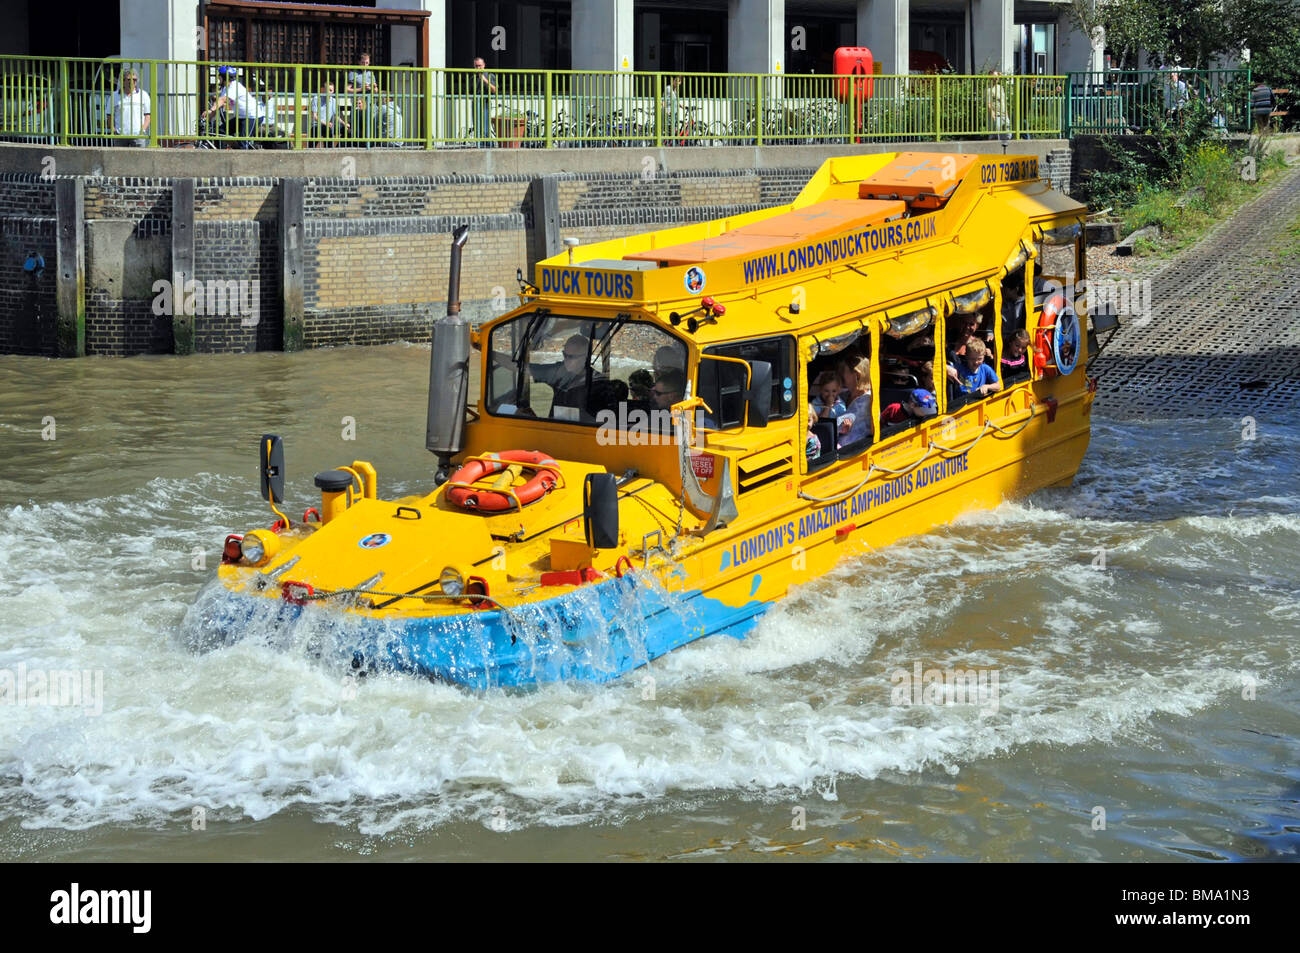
(1208, 188)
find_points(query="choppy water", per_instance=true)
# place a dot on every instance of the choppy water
(1118, 688)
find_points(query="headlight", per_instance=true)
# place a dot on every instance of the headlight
(259, 546)
(451, 581)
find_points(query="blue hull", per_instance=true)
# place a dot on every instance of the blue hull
(593, 634)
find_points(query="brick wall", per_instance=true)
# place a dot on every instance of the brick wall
(27, 304)
(374, 250)
(237, 251)
(117, 327)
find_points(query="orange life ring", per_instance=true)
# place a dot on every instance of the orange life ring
(1043, 358)
(461, 493)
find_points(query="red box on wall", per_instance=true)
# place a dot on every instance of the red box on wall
(853, 61)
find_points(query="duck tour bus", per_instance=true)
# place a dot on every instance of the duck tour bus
(675, 428)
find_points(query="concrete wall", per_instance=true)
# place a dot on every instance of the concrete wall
(371, 263)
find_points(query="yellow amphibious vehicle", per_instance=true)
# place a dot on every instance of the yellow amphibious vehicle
(675, 428)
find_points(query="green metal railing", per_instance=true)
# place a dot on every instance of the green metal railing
(1122, 102)
(68, 101)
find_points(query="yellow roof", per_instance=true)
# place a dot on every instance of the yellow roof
(809, 223)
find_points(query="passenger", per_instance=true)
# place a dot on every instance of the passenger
(668, 358)
(962, 330)
(640, 382)
(855, 423)
(1015, 356)
(973, 375)
(669, 389)
(568, 379)
(920, 403)
(826, 395)
(920, 345)
(813, 446)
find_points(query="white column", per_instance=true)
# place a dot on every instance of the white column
(883, 28)
(602, 34)
(756, 37)
(993, 22)
(166, 30)
(160, 29)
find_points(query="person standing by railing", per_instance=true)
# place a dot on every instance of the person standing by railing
(131, 111)
(670, 108)
(1176, 95)
(366, 113)
(484, 84)
(361, 80)
(995, 102)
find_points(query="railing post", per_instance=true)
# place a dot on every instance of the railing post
(758, 108)
(429, 77)
(938, 78)
(1067, 118)
(548, 109)
(1016, 132)
(156, 115)
(297, 106)
(657, 105)
(853, 108)
(64, 102)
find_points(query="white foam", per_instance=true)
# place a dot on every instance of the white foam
(254, 729)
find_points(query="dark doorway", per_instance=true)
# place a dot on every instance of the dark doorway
(74, 29)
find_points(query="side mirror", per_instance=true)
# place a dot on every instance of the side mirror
(600, 510)
(758, 399)
(272, 467)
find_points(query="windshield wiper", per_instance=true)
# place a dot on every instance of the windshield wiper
(607, 342)
(522, 346)
(521, 350)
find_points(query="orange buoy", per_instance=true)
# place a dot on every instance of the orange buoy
(464, 494)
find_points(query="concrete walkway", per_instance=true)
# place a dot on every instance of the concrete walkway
(1223, 337)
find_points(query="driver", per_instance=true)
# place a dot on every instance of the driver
(568, 378)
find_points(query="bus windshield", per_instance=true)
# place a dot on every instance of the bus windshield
(561, 367)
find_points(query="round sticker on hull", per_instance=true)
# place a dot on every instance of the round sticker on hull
(375, 540)
(694, 279)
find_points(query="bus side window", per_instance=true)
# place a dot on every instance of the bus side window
(777, 351)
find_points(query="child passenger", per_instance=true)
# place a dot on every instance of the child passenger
(855, 423)
(813, 446)
(826, 395)
(920, 403)
(973, 375)
(1015, 356)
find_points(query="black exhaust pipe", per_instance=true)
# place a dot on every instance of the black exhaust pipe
(449, 370)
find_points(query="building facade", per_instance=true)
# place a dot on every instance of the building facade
(752, 36)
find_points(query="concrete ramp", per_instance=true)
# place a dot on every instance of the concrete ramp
(1223, 336)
